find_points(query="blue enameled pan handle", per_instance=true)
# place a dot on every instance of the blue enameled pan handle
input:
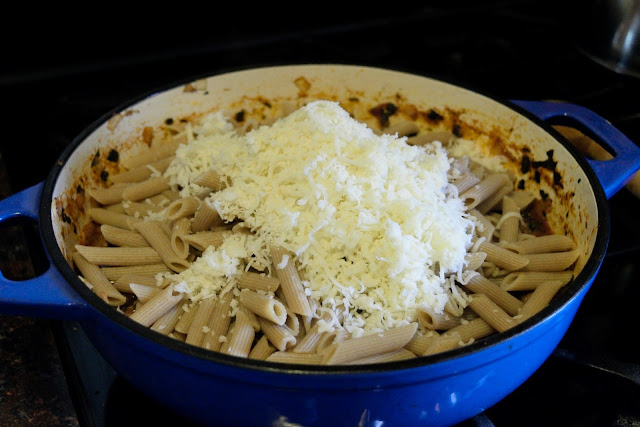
(613, 174)
(48, 295)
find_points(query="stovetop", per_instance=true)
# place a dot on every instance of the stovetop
(513, 50)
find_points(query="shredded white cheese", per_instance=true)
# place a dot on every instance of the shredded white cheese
(372, 221)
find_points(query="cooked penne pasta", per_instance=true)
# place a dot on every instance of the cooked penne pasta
(143, 172)
(428, 318)
(258, 282)
(197, 330)
(181, 229)
(116, 219)
(264, 306)
(481, 285)
(242, 336)
(442, 343)
(153, 232)
(491, 313)
(142, 292)
(369, 345)
(114, 273)
(109, 195)
(539, 298)
(542, 244)
(123, 283)
(503, 258)
(182, 208)
(262, 349)
(296, 358)
(122, 237)
(280, 336)
(210, 179)
(218, 323)
(167, 322)
(472, 330)
(145, 189)
(157, 306)
(290, 283)
(203, 239)
(119, 256)
(529, 280)
(205, 218)
(100, 284)
(509, 223)
(555, 261)
(152, 154)
(485, 189)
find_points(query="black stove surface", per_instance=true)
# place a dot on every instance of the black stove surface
(513, 50)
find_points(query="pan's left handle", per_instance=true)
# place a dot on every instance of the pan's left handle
(47, 295)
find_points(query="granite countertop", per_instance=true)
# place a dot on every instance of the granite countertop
(33, 387)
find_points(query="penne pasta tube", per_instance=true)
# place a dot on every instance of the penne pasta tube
(262, 349)
(100, 284)
(539, 299)
(186, 318)
(183, 207)
(198, 326)
(465, 182)
(116, 207)
(472, 330)
(119, 256)
(153, 154)
(491, 313)
(123, 283)
(109, 195)
(142, 292)
(503, 258)
(369, 345)
(485, 228)
(181, 228)
(205, 218)
(140, 209)
(280, 336)
(529, 280)
(143, 172)
(485, 189)
(428, 318)
(475, 260)
(392, 356)
(203, 239)
(555, 261)
(210, 179)
(157, 306)
(104, 216)
(419, 343)
(122, 237)
(442, 343)
(290, 282)
(242, 336)
(265, 306)
(153, 232)
(251, 316)
(495, 199)
(114, 273)
(509, 223)
(479, 284)
(145, 189)
(295, 358)
(167, 322)
(258, 282)
(218, 323)
(542, 244)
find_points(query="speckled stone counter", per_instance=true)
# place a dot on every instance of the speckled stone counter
(33, 388)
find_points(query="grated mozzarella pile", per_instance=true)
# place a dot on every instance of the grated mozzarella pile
(373, 222)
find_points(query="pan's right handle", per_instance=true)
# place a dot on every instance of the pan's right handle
(48, 295)
(613, 174)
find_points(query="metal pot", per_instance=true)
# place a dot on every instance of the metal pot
(213, 388)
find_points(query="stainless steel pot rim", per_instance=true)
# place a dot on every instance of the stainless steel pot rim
(570, 291)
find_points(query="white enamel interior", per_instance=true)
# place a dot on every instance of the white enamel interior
(224, 92)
